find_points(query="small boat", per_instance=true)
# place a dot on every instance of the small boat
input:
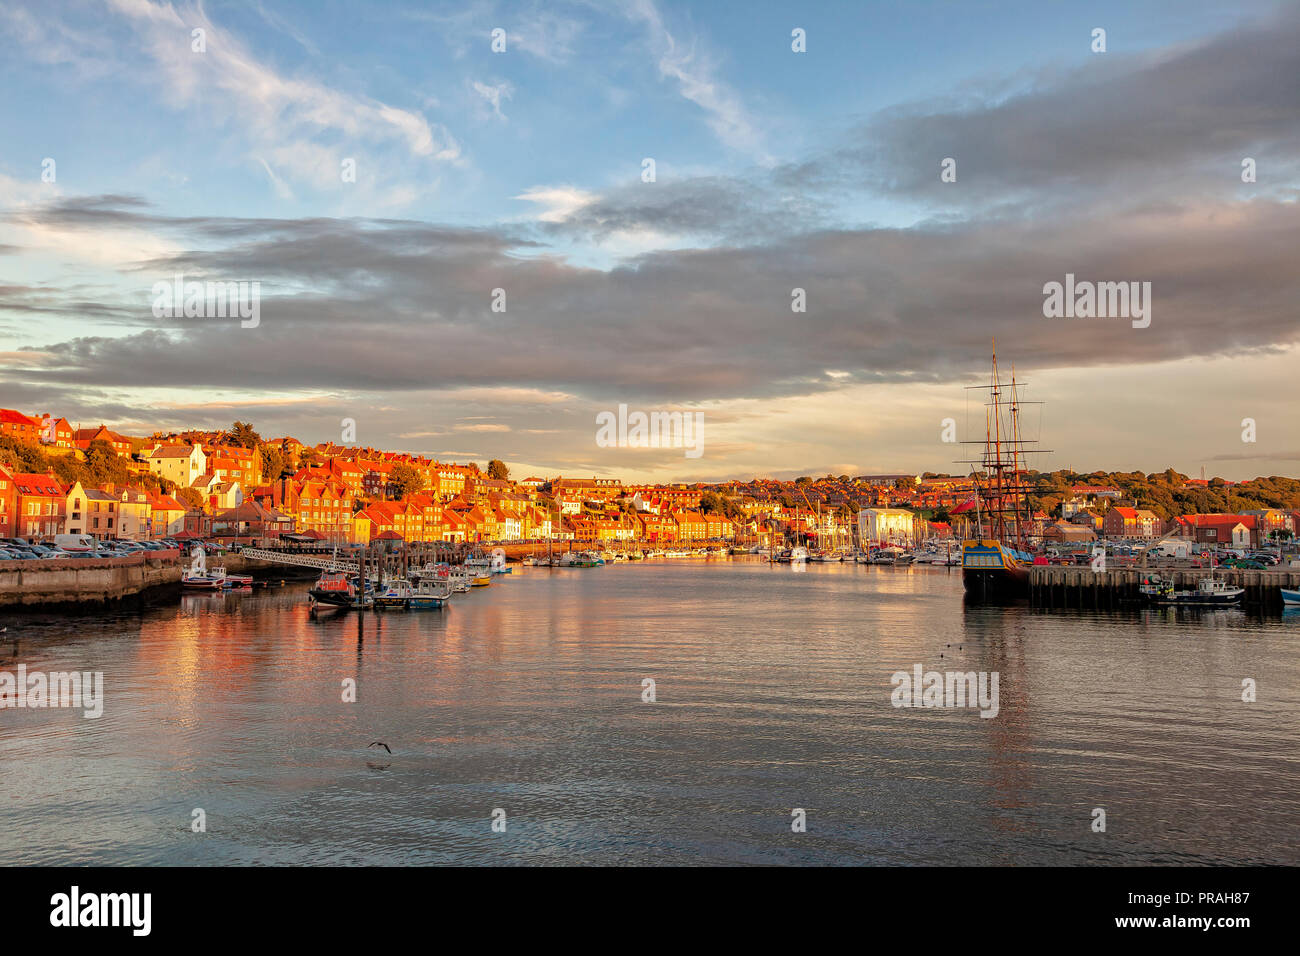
(429, 594)
(479, 580)
(395, 596)
(198, 577)
(795, 555)
(1210, 592)
(336, 589)
(1290, 597)
(238, 581)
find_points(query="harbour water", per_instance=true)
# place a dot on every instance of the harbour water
(773, 692)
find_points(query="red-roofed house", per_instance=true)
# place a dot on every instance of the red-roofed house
(20, 426)
(1131, 523)
(1225, 530)
(41, 503)
(56, 432)
(8, 495)
(82, 438)
(168, 516)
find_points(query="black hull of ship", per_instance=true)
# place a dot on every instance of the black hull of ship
(995, 585)
(331, 598)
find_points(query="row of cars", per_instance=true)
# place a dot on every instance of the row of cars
(21, 549)
(1200, 557)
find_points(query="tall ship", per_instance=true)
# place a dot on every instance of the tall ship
(995, 562)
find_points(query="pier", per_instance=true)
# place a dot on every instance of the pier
(1082, 587)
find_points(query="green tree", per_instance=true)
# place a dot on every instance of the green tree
(274, 462)
(244, 435)
(405, 480)
(191, 498)
(497, 470)
(103, 464)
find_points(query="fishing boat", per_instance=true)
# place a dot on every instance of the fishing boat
(199, 578)
(429, 594)
(995, 563)
(795, 555)
(478, 561)
(1209, 592)
(395, 596)
(238, 581)
(1290, 597)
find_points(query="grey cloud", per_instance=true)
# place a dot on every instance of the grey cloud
(401, 306)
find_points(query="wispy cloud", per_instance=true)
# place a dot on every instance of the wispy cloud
(300, 126)
(493, 94)
(694, 73)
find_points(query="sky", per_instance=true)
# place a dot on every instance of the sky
(380, 170)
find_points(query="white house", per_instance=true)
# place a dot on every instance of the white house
(180, 464)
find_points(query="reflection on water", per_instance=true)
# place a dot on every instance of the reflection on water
(773, 692)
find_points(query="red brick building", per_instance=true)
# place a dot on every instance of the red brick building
(41, 502)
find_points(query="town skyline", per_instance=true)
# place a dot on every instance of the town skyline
(808, 232)
(518, 468)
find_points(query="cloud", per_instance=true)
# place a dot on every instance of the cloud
(559, 203)
(1163, 123)
(392, 304)
(694, 73)
(493, 94)
(296, 127)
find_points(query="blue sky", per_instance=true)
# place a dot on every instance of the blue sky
(522, 169)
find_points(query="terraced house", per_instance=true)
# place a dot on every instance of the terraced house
(7, 493)
(41, 503)
(1131, 523)
(17, 425)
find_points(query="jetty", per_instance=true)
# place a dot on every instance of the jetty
(1081, 587)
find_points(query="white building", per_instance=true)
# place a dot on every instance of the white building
(887, 525)
(180, 464)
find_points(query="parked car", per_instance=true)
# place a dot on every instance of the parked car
(1244, 564)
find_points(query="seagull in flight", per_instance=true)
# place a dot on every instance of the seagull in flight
(380, 743)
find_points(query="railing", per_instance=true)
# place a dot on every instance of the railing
(299, 560)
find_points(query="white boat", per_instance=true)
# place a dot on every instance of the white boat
(458, 578)
(429, 594)
(395, 595)
(198, 577)
(1290, 597)
(1210, 592)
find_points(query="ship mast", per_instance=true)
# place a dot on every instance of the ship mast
(1001, 490)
